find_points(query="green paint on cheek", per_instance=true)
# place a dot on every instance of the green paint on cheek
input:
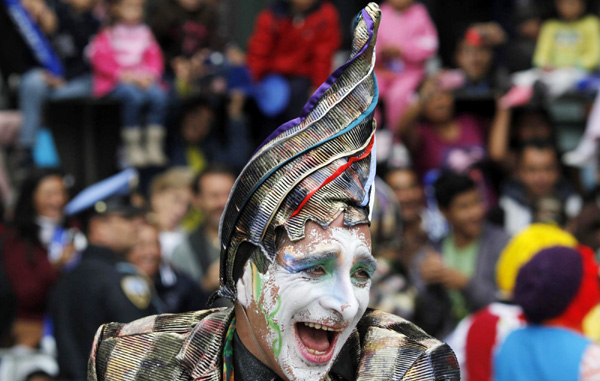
(256, 282)
(274, 326)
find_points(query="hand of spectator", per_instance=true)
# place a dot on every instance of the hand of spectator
(501, 104)
(454, 279)
(53, 80)
(211, 279)
(144, 81)
(432, 268)
(141, 80)
(65, 257)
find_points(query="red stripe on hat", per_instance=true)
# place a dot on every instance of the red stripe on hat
(334, 175)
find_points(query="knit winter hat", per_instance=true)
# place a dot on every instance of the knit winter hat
(548, 283)
(525, 245)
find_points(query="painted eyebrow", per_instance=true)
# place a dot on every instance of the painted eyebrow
(299, 264)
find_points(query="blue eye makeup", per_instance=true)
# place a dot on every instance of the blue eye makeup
(325, 260)
(318, 265)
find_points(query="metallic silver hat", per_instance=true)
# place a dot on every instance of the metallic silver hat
(314, 167)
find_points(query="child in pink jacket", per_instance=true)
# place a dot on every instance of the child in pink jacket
(406, 39)
(127, 65)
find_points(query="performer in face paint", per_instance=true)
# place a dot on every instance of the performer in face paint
(301, 312)
(295, 260)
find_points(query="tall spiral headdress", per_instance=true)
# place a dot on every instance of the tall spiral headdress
(314, 167)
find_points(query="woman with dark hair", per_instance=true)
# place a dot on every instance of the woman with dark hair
(32, 259)
(435, 135)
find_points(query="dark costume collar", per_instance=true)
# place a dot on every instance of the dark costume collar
(247, 367)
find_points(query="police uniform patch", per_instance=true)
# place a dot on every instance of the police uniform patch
(137, 291)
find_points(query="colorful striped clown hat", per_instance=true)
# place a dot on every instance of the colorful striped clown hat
(314, 167)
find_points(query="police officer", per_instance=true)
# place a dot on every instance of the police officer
(102, 288)
(179, 294)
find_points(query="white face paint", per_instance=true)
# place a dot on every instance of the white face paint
(305, 307)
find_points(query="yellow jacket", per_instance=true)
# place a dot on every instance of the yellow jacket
(573, 44)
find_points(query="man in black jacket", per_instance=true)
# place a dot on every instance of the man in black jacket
(102, 288)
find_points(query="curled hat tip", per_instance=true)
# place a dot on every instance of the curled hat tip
(372, 7)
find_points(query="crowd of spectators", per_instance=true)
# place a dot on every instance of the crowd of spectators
(473, 177)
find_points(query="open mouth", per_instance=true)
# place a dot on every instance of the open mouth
(316, 341)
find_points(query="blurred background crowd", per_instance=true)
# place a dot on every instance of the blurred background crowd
(124, 123)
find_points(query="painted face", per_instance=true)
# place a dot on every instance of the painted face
(305, 307)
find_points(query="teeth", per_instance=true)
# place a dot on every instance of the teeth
(314, 352)
(325, 328)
